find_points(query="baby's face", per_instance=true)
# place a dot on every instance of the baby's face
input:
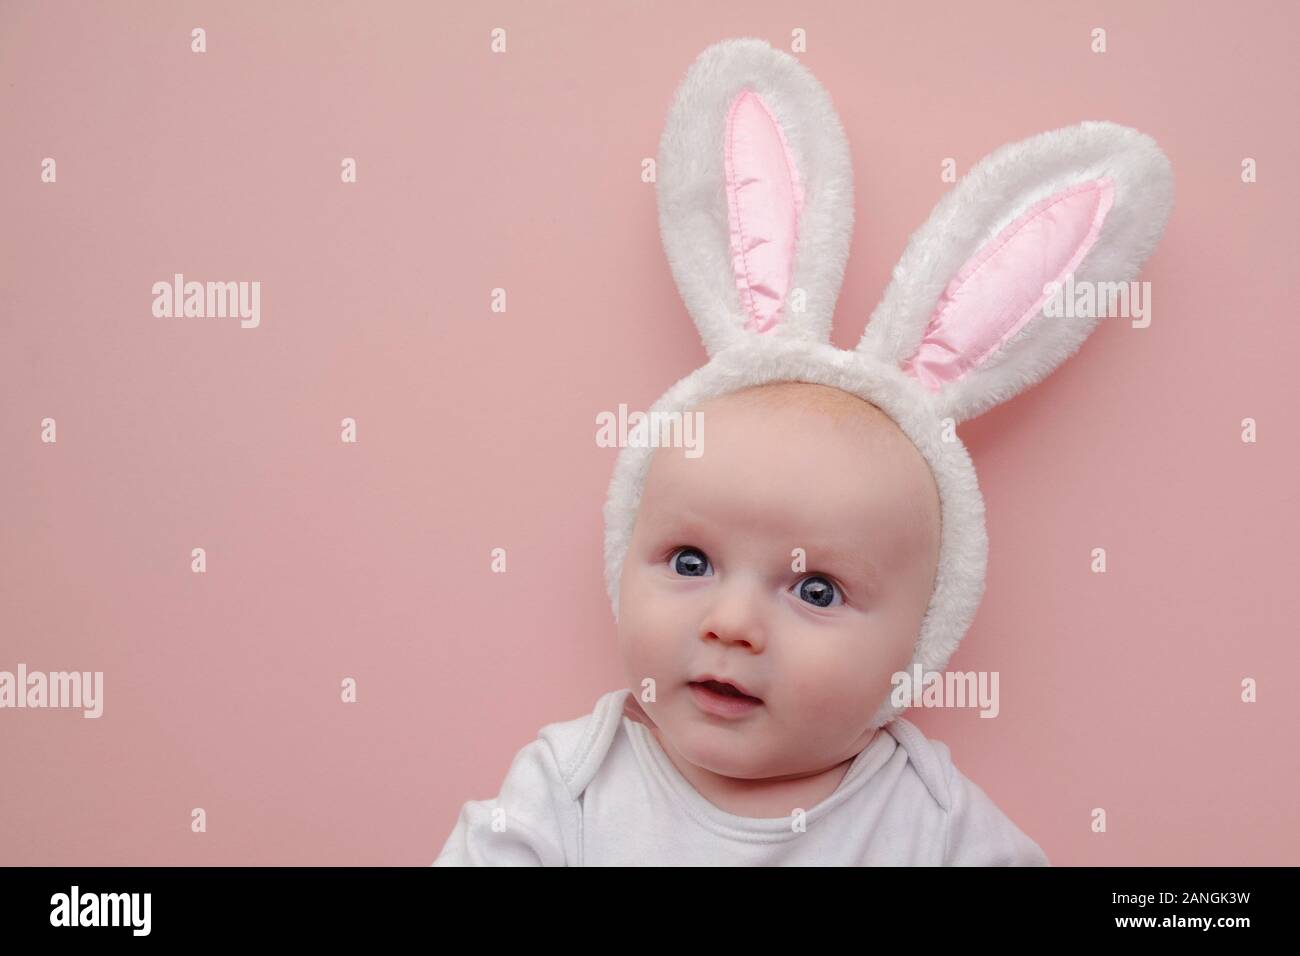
(711, 585)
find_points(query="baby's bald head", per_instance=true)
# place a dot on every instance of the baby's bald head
(853, 419)
(832, 404)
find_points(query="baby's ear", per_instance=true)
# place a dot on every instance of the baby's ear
(755, 195)
(964, 313)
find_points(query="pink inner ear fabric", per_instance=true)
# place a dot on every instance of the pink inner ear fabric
(1001, 288)
(764, 202)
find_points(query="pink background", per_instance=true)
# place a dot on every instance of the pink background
(476, 429)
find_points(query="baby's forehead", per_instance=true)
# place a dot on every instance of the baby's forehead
(807, 398)
(780, 408)
(797, 448)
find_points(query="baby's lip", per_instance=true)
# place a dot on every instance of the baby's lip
(707, 678)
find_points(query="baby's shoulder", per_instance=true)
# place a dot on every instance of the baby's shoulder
(977, 832)
(580, 745)
(930, 760)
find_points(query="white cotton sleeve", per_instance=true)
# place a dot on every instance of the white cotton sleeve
(979, 834)
(529, 823)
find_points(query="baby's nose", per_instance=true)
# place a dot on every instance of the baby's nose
(736, 617)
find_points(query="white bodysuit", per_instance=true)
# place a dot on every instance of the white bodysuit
(600, 791)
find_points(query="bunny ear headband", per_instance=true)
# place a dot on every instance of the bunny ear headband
(755, 194)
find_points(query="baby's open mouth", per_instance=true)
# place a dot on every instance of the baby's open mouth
(725, 689)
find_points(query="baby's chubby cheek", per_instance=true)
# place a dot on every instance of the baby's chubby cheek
(834, 682)
(649, 639)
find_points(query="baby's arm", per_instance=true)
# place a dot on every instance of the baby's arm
(529, 823)
(979, 834)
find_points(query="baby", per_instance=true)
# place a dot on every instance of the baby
(782, 767)
(830, 537)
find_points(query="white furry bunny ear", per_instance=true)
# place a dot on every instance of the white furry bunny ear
(755, 194)
(964, 314)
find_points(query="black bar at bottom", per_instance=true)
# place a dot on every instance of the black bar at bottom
(209, 904)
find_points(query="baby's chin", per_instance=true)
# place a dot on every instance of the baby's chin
(720, 750)
(723, 761)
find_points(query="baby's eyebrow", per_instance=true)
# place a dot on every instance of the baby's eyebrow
(682, 523)
(846, 561)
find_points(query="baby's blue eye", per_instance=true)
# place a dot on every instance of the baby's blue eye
(818, 591)
(689, 562)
